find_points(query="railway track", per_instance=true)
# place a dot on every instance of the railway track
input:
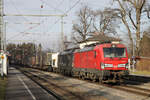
(127, 88)
(137, 90)
(124, 87)
(59, 92)
(35, 78)
(139, 79)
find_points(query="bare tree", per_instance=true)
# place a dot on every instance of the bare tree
(131, 14)
(104, 22)
(82, 27)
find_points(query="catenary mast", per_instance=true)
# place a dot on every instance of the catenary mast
(1, 32)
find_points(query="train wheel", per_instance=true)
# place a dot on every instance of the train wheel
(100, 80)
(83, 77)
(80, 75)
(94, 78)
(101, 77)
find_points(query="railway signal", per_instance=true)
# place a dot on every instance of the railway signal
(2, 57)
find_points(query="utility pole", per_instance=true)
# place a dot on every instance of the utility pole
(1, 36)
(1, 23)
(62, 33)
(4, 36)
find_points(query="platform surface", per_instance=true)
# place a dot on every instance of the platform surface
(21, 87)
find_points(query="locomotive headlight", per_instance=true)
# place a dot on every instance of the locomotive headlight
(108, 65)
(121, 65)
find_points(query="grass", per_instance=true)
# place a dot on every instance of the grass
(141, 72)
(3, 83)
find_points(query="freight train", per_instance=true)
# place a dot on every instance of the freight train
(106, 62)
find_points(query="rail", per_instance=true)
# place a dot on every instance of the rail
(122, 87)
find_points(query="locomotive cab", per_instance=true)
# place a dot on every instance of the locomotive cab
(114, 60)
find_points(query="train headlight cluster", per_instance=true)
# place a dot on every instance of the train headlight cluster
(121, 65)
(106, 65)
(111, 65)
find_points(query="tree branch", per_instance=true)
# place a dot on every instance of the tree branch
(132, 19)
(142, 4)
(133, 3)
(148, 16)
(124, 12)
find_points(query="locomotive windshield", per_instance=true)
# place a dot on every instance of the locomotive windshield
(114, 52)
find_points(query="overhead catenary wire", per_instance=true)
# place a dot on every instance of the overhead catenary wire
(54, 22)
(50, 15)
(72, 7)
(23, 18)
(65, 13)
(62, 21)
(51, 6)
(19, 34)
(23, 15)
(24, 31)
(13, 4)
(60, 3)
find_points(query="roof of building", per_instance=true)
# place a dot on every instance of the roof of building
(101, 38)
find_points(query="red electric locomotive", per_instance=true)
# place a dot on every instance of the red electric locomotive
(106, 62)
(103, 62)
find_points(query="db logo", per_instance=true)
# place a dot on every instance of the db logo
(115, 66)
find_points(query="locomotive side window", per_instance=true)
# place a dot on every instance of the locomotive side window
(114, 52)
